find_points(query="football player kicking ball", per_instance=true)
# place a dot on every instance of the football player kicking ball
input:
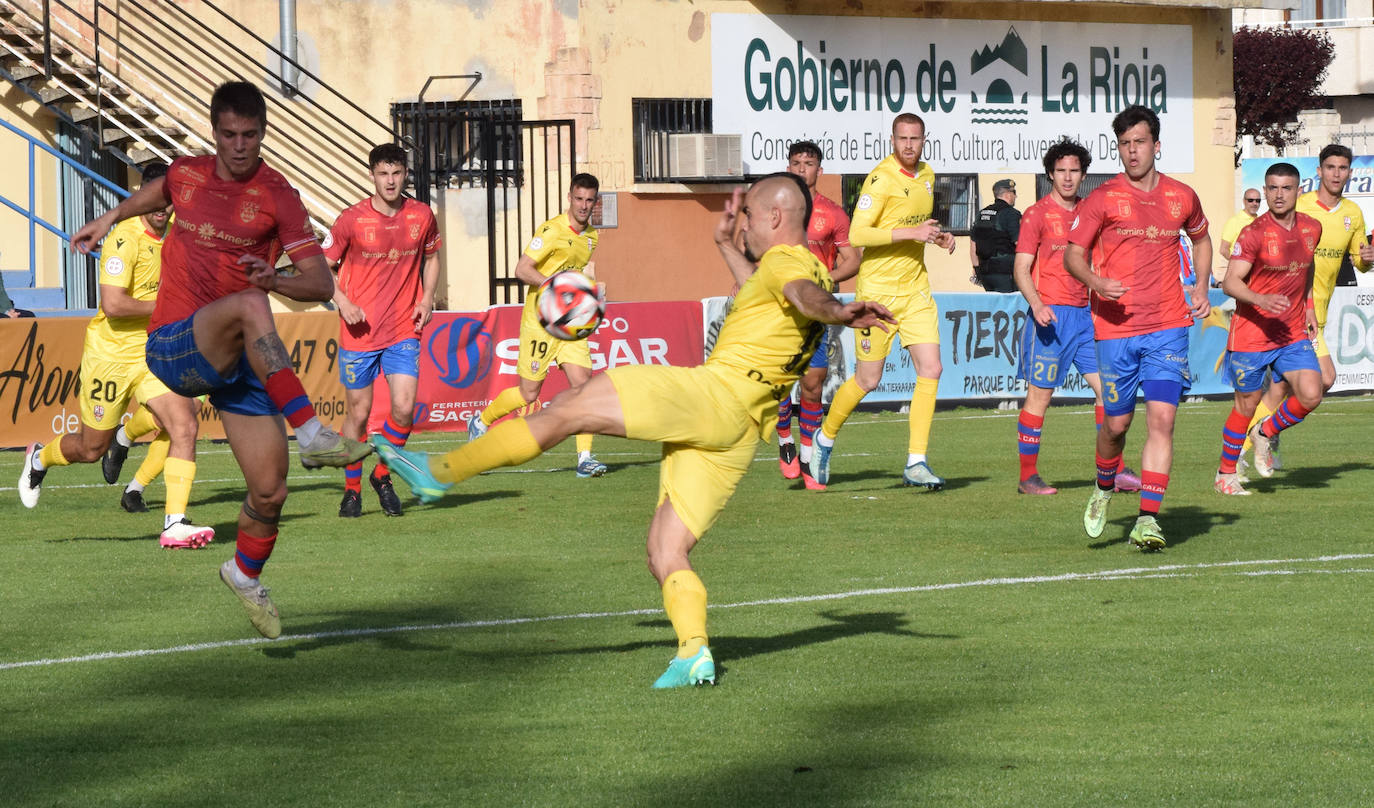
(1270, 276)
(563, 243)
(1140, 314)
(212, 329)
(386, 249)
(1059, 327)
(710, 418)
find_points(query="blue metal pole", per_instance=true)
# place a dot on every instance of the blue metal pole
(33, 257)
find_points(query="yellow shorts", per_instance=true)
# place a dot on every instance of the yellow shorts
(107, 387)
(918, 321)
(708, 437)
(539, 350)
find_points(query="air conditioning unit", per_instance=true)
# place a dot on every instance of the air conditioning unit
(701, 155)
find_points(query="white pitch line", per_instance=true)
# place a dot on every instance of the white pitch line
(1128, 573)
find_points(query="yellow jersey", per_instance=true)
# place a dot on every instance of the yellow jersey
(1234, 225)
(765, 343)
(557, 247)
(1342, 233)
(892, 197)
(130, 258)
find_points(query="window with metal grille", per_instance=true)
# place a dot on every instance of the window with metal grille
(462, 142)
(956, 205)
(654, 120)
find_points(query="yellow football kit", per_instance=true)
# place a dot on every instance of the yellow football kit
(894, 274)
(710, 418)
(112, 364)
(1342, 234)
(556, 247)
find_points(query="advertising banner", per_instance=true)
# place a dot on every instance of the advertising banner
(40, 361)
(467, 358)
(993, 94)
(1359, 189)
(1349, 336)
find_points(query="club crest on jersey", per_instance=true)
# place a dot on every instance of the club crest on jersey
(1271, 245)
(1057, 227)
(99, 411)
(248, 211)
(534, 365)
(1123, 207)
(415, 231)
(187, 191)
(370, 234)
(865, 202)
(867, 345)
(1175, 208)
(1309, 242)
(1347, 224)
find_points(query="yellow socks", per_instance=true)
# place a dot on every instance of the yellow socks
(841, 407)
(684, 599)
(178, 477)
(505, 403)
(509, 443)
(51, 455)
(922, 414)
(584, 444)
(140, 423)
(153, 462)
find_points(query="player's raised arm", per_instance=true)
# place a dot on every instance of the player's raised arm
(725, 237)
(149, 198)
(818, 304)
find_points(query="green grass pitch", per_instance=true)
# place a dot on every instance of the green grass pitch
(877, 646)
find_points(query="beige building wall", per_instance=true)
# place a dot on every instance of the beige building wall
(21, 112)
(586, 60)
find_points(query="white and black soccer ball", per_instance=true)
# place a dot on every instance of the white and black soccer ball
(569, 307)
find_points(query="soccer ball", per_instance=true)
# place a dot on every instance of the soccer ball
(569, 307)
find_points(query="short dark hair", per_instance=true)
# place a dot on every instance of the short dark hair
(806, 147)
(1132, 115)
(1066, 148)
(240, 98)
(153, 170)
(908, 117)
(585, 180)
(386, 153)
(1282, 170)
(801, 185)
(1335, 150)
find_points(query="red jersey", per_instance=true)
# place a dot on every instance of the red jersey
(217, 221)
(1136, 233)
(1045, 235)
(382, 272)
(827, 231)
(1279, 259)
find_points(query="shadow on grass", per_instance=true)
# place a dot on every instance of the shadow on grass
(1301, 477)
(1179, 525)
(893, 480)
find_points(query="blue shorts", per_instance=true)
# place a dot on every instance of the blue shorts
(358, 369)
(1128, 362)
(1047, 351)
(821, 358)
(174, 358)
(1246, 368)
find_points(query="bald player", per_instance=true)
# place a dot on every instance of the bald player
(710, 418)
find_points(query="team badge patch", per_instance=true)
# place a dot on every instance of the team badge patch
(99, 411)
(248, 211)
(867, 345)
(534, 365)
(328, 240)
(865, 202)
(1347, 224)
(415, 231)
(536, 243)
(114, 266)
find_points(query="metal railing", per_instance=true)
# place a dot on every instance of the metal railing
(311, 143)
(29, 211)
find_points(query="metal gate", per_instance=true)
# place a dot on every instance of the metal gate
(524, 190)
